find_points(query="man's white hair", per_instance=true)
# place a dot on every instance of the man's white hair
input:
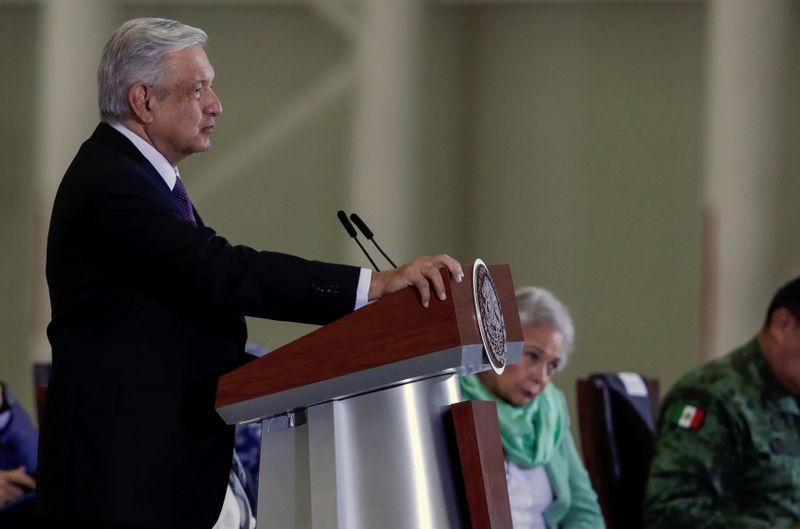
(135, 54)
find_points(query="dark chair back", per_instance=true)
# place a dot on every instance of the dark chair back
(616, 416)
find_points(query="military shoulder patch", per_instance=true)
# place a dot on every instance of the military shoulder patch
(687, 416)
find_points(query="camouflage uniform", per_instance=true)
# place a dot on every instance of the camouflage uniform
(728, 453)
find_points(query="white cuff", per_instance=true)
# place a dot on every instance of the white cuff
(362, 292)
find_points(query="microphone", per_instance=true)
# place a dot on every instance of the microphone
(351, 231)
(368, 234)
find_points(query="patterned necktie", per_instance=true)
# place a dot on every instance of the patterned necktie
(183, 200)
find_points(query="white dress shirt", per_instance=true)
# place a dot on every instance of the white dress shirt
(529, 495)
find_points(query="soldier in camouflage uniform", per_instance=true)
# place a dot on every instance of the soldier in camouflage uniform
(728, 453)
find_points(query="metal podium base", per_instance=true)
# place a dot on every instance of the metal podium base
(379, 459)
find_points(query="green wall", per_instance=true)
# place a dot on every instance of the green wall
(18, 29)
(584, 162)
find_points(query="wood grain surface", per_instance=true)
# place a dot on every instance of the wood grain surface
(394, 328)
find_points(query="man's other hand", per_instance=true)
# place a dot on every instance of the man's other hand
(14, 483)
(419, 273)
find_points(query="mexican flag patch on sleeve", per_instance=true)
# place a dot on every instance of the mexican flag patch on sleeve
(688, 417)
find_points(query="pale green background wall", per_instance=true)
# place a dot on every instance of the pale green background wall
(584, 163)
(18, 27)
(564, 139)
(787, 214)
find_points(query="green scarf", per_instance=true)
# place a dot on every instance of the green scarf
(530, 433)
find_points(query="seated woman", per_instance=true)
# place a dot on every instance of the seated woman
(548, 486)
(18, 442)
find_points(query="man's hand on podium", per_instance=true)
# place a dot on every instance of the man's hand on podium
(419, 273)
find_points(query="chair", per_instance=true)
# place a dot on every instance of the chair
(21, 447)
(617, 430)
(41, 378)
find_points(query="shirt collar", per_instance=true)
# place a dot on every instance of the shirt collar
(167, 171)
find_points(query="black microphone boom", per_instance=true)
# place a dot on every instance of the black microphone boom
(351, 231)
(368, 234)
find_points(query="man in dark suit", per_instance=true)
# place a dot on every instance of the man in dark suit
(147, 301)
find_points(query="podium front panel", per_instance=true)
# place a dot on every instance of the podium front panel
(380, 459)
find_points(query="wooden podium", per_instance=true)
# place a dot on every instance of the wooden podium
(357, 426)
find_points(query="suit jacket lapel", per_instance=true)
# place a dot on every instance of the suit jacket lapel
(109, 136)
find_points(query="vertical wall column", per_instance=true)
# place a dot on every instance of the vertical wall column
(384, 181)
(746, 61)
(72, 37)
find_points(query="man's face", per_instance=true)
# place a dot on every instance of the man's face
(522, 382)
(786, 331)
(184, 120)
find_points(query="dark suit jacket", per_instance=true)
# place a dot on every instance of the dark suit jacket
(147, 314)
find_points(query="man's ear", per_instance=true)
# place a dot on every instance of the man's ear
(140, 99)
(781, 321)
